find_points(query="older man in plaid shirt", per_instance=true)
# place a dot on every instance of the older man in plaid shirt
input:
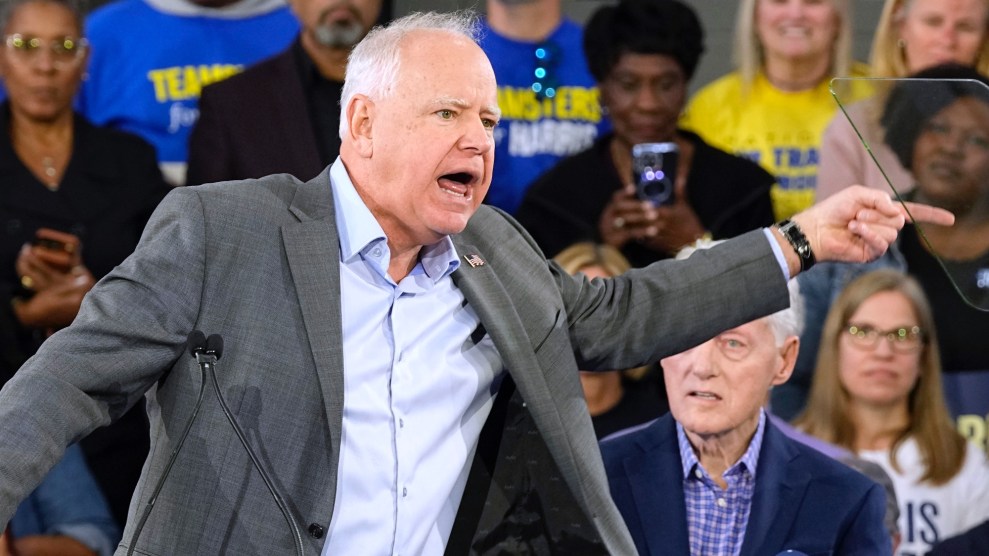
(717, 478)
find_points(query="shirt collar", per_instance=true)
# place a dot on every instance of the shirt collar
(747, 462)
(359, 231)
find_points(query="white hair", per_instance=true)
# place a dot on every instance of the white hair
(785, 323)
(373, 65)
(789, 321)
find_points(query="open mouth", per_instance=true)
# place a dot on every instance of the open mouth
(459, 177)
(457, 183)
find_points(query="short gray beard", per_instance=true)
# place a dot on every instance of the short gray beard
(339, 35)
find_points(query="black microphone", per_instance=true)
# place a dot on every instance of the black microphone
(196, 342)
(214, 345)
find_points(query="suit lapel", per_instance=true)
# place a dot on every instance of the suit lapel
(313, 252)
(496, 310)
(487, 296)
(660, 506)
(779, 491)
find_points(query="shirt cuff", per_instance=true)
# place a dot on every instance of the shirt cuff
(780, 258)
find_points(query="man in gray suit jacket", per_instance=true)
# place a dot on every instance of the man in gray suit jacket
(374, 320)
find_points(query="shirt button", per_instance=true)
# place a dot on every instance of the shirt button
(722, 502)
(316, 530)
(401, 423)
(698, 474)
(376, 252)
(405, 492)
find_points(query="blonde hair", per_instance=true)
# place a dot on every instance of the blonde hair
(584, 254)
(888, 58)
(749, 55)
(826, 416)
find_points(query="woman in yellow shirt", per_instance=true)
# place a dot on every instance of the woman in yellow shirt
(775, 106)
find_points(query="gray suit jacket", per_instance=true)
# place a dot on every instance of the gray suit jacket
(257, 261)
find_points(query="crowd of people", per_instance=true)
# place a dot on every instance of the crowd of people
(306, 177)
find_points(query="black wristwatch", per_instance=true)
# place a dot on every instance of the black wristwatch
(796, 238)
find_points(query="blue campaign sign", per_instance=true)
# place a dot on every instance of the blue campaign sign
(967, 394)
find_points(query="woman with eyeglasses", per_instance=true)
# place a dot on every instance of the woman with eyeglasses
(74, 200)
(877, 391)
(643, 54)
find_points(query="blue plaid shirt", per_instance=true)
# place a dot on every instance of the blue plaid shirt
(716, 518)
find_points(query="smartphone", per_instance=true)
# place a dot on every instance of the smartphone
(654, 169)
(52, 244)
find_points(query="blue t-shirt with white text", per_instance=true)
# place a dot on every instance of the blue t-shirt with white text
(535, 132)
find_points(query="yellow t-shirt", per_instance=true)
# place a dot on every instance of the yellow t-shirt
(780, 130)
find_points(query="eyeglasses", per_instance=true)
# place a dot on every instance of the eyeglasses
(902, 340)
(65, 52)
(547, 58)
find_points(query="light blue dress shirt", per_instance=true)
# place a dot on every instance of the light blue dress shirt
(716, 517)
(420, 376)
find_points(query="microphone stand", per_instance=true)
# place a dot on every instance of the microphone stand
(207, 352)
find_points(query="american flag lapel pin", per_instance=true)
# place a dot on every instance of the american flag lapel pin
(474, 260)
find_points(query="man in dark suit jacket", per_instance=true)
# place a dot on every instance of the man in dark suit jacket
(385, 268)
(715, 476)
(283, 114)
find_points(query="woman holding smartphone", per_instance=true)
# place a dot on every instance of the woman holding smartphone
(74, 201)
(643, 53)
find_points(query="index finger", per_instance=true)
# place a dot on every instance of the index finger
(918, 212)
